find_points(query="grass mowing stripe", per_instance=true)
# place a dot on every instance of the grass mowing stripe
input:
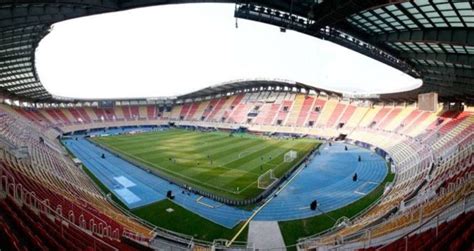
(140, 139)
(151, 141)
(236, 160)
(271, 151)
(256, 168)
(219, 164)
(227, 150)
(177, 174)
(181, 158)
(117, 139)
(203, 142)
(238, 181)
(194, 149)
(231, 155)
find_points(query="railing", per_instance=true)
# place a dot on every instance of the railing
(157, 231)
(457, 156)
(464, 204)
(451, 149)
(18, 193)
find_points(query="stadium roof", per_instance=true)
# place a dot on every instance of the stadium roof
(258, 84)
(219, 90)
(433, 40)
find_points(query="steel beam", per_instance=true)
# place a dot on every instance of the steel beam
(447, 70)
(460, 59)
(454, 36)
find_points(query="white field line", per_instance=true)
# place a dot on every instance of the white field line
(270, 198)
(175, 173)
(198, 200)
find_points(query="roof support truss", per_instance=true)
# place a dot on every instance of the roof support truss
(456, 36)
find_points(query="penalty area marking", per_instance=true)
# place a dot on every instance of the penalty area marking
(247, 152)
(198, 200)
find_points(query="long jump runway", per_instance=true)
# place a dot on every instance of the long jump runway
(327, 179)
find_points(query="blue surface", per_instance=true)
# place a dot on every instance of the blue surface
(328, 179)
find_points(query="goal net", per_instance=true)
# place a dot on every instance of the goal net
(266, 180)
(290, 156)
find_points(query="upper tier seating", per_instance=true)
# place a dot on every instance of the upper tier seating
(336, 114)
(305, 110)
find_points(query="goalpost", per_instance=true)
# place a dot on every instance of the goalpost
(290, 156)
(266, 180)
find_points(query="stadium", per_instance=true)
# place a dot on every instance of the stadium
(249, 164)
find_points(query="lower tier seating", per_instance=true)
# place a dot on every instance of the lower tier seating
(453, 236)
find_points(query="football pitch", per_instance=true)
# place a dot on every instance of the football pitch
(215, 162)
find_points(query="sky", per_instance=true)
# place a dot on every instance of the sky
(172, 50)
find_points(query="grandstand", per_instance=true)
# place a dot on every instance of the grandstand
(415, 190)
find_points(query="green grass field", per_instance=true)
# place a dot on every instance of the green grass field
(211, 161)
(186, 222)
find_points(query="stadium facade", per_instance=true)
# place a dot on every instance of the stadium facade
(47, 202)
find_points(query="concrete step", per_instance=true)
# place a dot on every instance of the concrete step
(265, 235)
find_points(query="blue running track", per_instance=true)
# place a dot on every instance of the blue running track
(328, 179)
